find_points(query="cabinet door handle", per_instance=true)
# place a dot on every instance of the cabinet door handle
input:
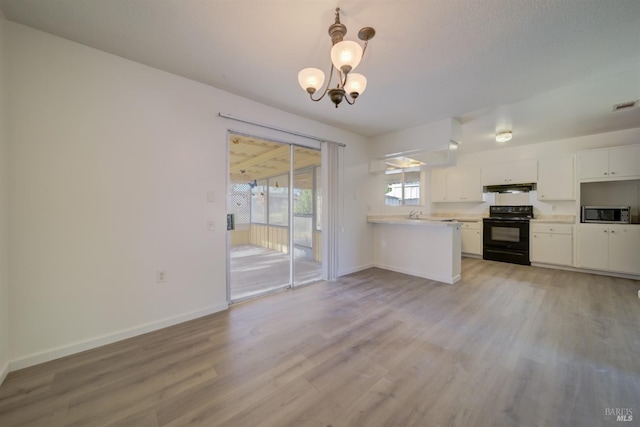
(606, 173)
(613, 173)
(612, 231)
(605, 231)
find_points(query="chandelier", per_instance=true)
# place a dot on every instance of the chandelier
(345, 57)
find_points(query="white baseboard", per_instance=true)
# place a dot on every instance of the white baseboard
(66, 350)
(355, 269)
(586, 270)
(4, 371)
(468, 255)
(444, 279)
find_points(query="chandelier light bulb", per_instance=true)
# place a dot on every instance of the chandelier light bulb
(346, 55)
(356, 84)
(311, 79)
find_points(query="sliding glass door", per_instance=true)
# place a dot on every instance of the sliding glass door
(273, 202)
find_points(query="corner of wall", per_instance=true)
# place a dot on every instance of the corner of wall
(4, 200)
(4, 371)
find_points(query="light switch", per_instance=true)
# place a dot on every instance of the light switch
(211, 196)
(211, 225)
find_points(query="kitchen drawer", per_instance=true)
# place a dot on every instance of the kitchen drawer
(552, 228)
(477, 225)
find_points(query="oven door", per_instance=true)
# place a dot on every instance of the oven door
(506, 240)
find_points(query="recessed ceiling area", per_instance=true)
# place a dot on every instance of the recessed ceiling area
(546, 69)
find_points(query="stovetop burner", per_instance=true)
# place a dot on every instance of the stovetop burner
(515, 218)
(520, 213)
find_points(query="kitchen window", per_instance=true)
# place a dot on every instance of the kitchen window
(403, 187)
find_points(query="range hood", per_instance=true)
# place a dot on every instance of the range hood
(510, 188)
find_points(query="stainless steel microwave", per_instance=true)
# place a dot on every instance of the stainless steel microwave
(606, 214)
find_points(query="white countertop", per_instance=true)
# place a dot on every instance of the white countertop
(444, 222)
(555, 219)
(456, 219)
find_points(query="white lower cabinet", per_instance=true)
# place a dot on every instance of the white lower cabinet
(471, 235)
(609, 247)
(552, 244)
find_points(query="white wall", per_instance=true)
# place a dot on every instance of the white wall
(4, 246)
(110, 166)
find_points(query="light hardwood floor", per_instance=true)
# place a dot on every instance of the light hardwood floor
(509, 345)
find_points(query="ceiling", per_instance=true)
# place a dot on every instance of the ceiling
(255, 159)
(548, 69)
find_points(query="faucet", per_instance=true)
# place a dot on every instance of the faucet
(412, 213)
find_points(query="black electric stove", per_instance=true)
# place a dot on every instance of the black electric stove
(506, 234)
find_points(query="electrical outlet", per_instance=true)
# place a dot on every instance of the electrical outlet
(211, 225)
(161, 276)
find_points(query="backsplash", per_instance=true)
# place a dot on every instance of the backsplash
(560, 207)
(512, 199)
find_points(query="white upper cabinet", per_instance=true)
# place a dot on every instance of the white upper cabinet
(438, 187)
(520, 172)
(594, 164)
(624, 162)
(556, 179)
(610, 164)
(455, 184)
(463, 184)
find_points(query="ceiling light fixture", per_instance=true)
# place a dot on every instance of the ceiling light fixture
(504, 136)
(345, 57)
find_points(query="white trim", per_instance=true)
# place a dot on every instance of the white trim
(66, 350)
(586, 270)
(443, 279)
(4, 372)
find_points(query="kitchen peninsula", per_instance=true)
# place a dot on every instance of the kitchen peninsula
(427, 248)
